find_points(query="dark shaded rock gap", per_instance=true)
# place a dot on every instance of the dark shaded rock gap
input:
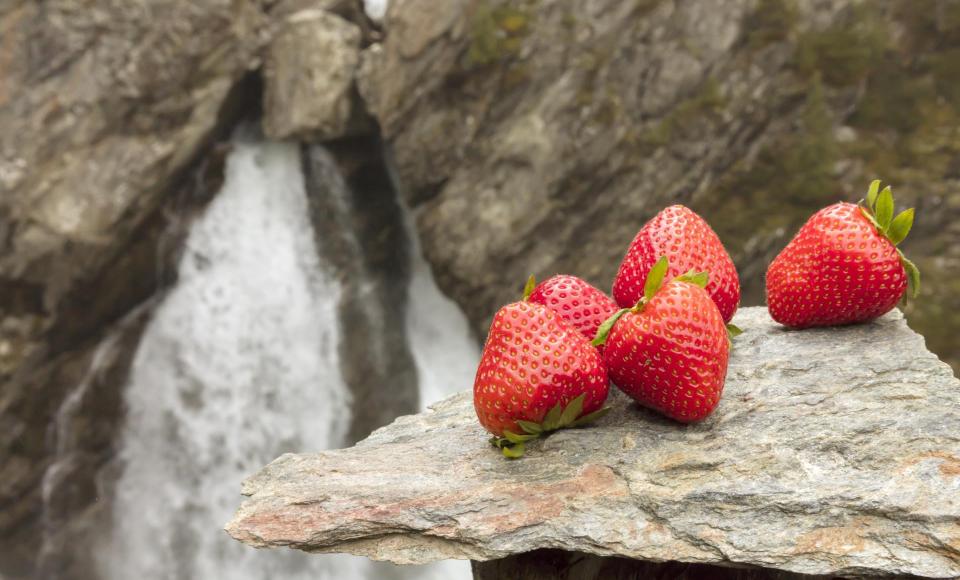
(561, 565)
(361, 235)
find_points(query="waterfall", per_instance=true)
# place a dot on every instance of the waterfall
(240, 364)
(445, 353)
(376, 9)
(67, 453)
(237, 366)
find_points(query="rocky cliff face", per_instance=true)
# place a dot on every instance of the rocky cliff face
(526, 136)
(106, 110)
(539, 136)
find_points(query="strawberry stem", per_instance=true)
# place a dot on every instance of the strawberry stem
(529, 287)
(879, 211)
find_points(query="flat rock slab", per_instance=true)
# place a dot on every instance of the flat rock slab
(833, 451)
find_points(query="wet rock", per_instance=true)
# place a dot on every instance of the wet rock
(833, 451)
(361, 236)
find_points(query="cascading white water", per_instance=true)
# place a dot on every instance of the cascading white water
(66, 444)
(446, 357)
(376, 9)
(443, 349)
(238, 365)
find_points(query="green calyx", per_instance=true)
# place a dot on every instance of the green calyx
(650, 288)
(559, 417)
(654, 280)
(733, 331)
(700, 279)
(604, 329)
(528, 288)
(877, 206)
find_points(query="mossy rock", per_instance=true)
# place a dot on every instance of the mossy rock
(771, 21)
(496, 34)
(846, 52)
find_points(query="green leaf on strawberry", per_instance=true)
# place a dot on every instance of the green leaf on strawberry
(590, 418)
(559, 417)
(552, 421)
(530, 427)
(884, 209)
(700, 279)
(514, 451)
(900, 226)
(529, 287)
(733, 330)
(878, 210)
(604, 329)
(655, 278)
(515, 438)
(871, 198)
(572, 411)
(913, 275)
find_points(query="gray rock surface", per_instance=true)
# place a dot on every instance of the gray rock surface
(309, 91)
(833, 451)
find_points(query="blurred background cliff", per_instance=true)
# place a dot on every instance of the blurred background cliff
(235, 228)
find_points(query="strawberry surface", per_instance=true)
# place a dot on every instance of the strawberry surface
(690, 244)
(531, 362)
(842, 267)
(579, 304)
(672, 354)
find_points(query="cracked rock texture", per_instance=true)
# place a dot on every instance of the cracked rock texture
(833, 451)
(308, 71)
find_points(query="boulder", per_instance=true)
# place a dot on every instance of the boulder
(833, 451)
(309, 91)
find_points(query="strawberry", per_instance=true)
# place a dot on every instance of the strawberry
(689, 243)
(843, 266)
(536, 374)
(670, 351)
(579, 304)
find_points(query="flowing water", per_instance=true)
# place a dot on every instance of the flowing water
(238, 365)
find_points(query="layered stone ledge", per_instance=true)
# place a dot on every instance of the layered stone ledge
(833, 452)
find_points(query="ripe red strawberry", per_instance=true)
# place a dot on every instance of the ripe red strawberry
(690, 244)
(670, 351)
(581, 305)
(843, 265)
(536, 374)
